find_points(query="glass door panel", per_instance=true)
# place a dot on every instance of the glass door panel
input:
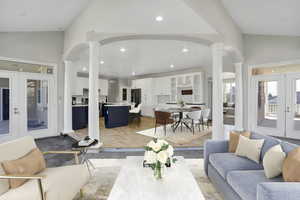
(37, 104)
(4, 106)
(293, 106)
(267, 104)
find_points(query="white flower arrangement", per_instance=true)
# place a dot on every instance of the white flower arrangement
(159, 153)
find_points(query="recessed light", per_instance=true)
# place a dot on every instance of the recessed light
(84, 69)
(185, 50)
(172, 66)
(101, 62)
(159, 18)
(122, 49)
(133, 73)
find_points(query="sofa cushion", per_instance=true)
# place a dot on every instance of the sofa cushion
(245, 183)
(268, 143)
(226, 162)
(60, 183)
(287, 147)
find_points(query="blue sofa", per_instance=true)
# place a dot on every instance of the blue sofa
(238, 178)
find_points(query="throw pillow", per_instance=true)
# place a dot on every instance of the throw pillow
(30, 164)
(291, 166)
(273, 161)
(249, 148)
(234, 140)
(4, 185)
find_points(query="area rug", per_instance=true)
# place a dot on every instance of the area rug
(180, 136)
(106, 172)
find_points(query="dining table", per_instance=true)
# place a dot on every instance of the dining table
(178, 111)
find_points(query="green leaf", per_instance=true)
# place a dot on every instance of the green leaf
(148, 148)
(174, 160)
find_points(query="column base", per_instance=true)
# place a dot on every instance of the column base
(66, 132)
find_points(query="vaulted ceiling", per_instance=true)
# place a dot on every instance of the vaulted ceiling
(38, 15)
(266, 17)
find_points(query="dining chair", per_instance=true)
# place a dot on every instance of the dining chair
(163, 118)
(205, 117)
(194, 118)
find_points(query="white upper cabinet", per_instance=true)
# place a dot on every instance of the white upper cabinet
(103, 86)
(81, 83)
(185, 81)
(198, 88)
(162, 86)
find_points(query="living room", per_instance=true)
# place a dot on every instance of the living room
(149, 100)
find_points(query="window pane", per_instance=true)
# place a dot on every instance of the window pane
(297, 106)
(267, 104)
(37, 104)
(4, 106)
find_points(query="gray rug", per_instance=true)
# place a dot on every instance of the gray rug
(106, 172)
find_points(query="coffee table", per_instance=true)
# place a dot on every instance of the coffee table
(137, 183)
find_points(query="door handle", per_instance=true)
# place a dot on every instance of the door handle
(16, 111)
(287, 109)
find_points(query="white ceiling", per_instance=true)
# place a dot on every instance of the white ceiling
(148, 57)
(266, 17)
(38, 15)
(138, 16)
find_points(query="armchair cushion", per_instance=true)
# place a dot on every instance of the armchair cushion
(60, 183)
(13, 150)
(30, 164)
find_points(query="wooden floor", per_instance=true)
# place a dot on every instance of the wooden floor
(126, 137)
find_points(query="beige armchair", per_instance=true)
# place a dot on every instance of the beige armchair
(59, 183)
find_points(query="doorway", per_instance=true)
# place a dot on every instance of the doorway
(27, 105)
(276, 105)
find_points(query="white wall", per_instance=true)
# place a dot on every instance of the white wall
(261, 49)
(39, 47)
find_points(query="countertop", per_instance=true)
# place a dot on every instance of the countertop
(116, 105)
(80, 105)
(196, 104)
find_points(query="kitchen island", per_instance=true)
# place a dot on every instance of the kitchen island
(79, 116)
(116, 115)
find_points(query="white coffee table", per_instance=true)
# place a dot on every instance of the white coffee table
(137, 183)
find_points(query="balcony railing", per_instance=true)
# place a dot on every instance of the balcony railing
(273, 108)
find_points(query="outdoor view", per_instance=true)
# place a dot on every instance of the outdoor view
(267, 104)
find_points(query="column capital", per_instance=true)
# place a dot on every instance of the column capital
(217, 46)
(67, 62)
(94, 43)
(238, 64)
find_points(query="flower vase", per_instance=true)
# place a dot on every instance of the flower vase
(159, 171)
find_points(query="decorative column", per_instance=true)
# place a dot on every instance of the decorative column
(238, 97)
(93, 127)
(217, 101)
(68, 99)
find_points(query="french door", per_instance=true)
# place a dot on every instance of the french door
(27, 105)
(275, 105)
